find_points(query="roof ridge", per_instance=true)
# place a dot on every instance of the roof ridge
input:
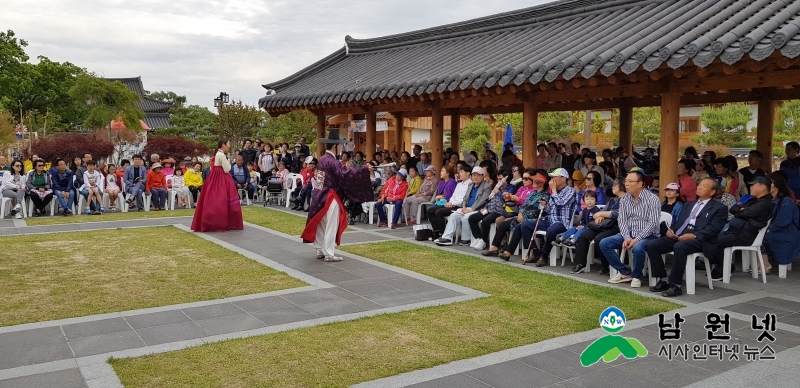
(537, 13)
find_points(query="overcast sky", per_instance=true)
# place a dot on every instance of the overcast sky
(200, 48)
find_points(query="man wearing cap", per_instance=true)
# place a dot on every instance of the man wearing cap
(639, 218)
(333, 183)
(559, 208)
(475, 198)
(694, 230)
(748, 219)
(297, 160)
(393, 193)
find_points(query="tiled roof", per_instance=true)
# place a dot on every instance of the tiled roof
(147, 104)
(568, 39)
(156, 120)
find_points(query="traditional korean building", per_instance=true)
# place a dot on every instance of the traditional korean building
(566, 55)
(155, 111)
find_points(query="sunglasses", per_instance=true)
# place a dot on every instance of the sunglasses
(526, 178)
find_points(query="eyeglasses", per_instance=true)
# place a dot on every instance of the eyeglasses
(526, 178)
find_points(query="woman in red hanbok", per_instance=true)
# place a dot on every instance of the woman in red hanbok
(218, 208)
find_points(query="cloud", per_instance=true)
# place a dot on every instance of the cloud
(199, 48)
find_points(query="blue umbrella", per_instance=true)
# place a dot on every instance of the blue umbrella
(509, 135)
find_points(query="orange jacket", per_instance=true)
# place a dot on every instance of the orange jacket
(155, 181)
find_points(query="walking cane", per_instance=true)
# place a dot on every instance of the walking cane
(533, 238)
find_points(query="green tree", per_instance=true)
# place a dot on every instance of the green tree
(168, 96)
(787, 123)
(7, 132)
(646, 126)
(13, 71)
(191, 122)
(726, 125)
(476, 133)
(555, 125)
(515, 119)
(289, 127)
(47, 88)
(44, 123)
(237, 121)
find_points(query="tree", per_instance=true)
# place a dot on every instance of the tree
(105, 102)
(726, 125)
(192, 122)
(177, 147)
(168, 96)
(289, 127)
(70, 145)
(47, 88)
(237, 121)
(44, 123)
(7, 132)
(515, 119)
(646, 126)
(476, 133)
(787, 123)
(12, 67)
(555, 125)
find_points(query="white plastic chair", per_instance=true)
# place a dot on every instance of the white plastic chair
(665, 217)
(293, 181)
(5, 207)
(754, 253)
(52, 204)
(782, 270)
(690, 275)
(119, 201)
(553, 252)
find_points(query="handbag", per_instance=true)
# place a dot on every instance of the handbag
(602, 226)
(423, 232)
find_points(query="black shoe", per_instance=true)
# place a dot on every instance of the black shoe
(716, 274)
(604, 271)
(461, 243)
(307, 210)
(37, 213)
(578, 268)
(672, 291)
(660, 286)
(443, 241)
(491, 253)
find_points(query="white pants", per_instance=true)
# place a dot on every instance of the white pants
(452, 221)
(325, 241)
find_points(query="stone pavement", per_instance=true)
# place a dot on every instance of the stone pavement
(72, 352)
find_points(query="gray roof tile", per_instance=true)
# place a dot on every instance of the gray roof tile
(565, 39)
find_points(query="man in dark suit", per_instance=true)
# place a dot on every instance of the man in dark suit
(695, 230)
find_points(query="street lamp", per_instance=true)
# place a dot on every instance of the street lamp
(221, 100)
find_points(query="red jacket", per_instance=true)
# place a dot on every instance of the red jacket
(394, 189)
(307, 174)
(155, 181)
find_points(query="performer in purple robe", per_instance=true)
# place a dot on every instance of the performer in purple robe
(332, 183)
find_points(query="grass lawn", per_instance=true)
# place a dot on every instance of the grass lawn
(58, 219)
(75, 274)
(524, 307)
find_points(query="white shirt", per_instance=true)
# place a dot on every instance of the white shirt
(221, 160)
(99, 182)
(459, 193)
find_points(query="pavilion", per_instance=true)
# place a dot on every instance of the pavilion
(563, 56)
(155, 111)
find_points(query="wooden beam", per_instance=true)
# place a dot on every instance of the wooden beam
(742, 81)
(626, 127)
(670, 115)
(437, 137)
(320, 133)
(765, 131)
(530, 128)
(399, 130)
(370, 138)
(455, 131)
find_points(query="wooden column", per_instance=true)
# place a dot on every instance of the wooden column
(626, 127)
(670, 115)
(455, 132)
(371, 140)
(437, 137)
(399, 144)
(765, 131)
(320, 133)
(530, 126)
(587, 129)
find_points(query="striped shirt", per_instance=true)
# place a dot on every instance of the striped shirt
(561, 206)
(639, 219)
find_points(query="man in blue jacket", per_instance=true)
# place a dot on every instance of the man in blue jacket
(695, 230)
(135, 178)
(62, 186)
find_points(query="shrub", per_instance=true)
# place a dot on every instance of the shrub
(720, 150)
(684, 144)
(70, 145)
(177, 147)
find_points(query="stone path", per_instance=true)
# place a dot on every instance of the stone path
(72, 352)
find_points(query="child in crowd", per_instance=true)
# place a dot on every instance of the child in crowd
(181, 190)
(112, 188)
(92, 189)
(255, 177)
(572, 234)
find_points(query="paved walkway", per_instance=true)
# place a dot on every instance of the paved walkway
(72, 352)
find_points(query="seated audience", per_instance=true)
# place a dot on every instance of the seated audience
(672, 202)
(475, 197)
(522, 226)
(304, 193)
(135, 179)
(111, 187)
(394, 192)
(156, 187)
(686, 183)
(505, 192)
(572, 234)
(241, 177)
(604, 224)
(748, 219)
(13, 186)
(423, 195)
(39, 186)
(437, 214)
(194, 179)
(168, 166)
(560, 208)
(753, 168)
(639, 215)
(591, 183)
(182, 192)
(61, 179)
(694, 230)
(414, 181)
(781, 243)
